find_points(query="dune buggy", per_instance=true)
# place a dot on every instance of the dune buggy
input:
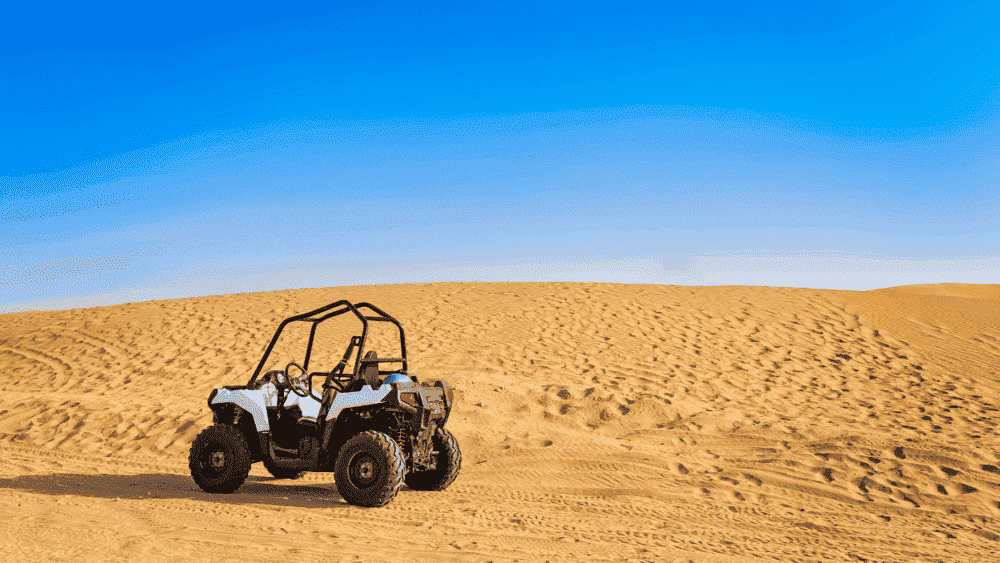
(373, 428)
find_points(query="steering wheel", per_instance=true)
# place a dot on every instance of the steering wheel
(300, 385)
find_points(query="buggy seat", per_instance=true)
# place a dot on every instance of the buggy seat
(368, 374)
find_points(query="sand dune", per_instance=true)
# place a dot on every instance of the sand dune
(618, 423)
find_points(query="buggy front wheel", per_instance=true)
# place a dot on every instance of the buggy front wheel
(369, 469)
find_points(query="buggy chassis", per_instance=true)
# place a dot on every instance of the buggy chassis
(374, 433)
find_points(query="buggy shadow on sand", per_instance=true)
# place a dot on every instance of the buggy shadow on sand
(372, 433)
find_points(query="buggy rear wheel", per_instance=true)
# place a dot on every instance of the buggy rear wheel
(219, 459)
(369, 469)
(449, 461)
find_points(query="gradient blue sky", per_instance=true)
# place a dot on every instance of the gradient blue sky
(172, 150)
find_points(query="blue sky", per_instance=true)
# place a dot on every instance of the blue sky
(171, 150)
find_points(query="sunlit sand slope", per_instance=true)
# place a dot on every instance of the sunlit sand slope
(597, 422)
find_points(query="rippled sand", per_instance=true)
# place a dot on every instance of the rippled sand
(619, 423)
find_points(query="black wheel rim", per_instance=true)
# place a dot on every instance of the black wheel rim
(214, 461)
(364, 470)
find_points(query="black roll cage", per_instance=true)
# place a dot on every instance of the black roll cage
(355, 340)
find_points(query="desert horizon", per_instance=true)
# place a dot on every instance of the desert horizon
(604, 422)
(680, 264)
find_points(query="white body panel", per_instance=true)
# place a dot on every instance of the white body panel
(367, 396)
(256, 402)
